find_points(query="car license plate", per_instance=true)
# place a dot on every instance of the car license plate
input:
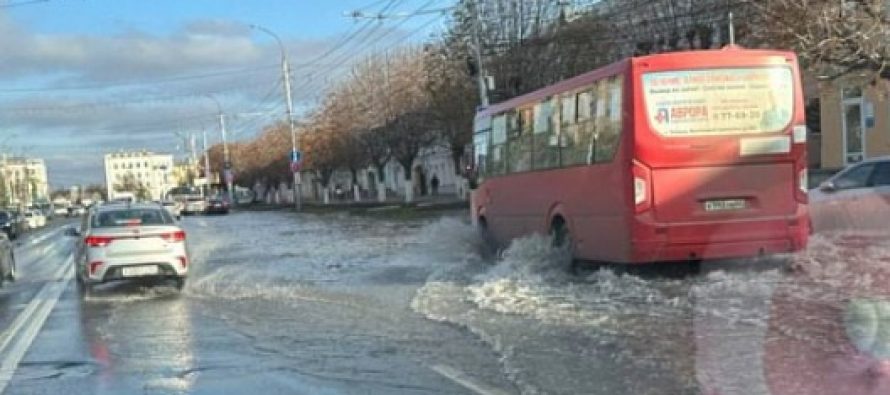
(135, 271)
(725, 205)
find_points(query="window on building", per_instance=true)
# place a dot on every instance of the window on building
(852, 92)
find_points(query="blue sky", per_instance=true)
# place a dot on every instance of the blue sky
(79, 78)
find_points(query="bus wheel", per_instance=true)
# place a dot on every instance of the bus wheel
(561, 239)
(489, 245)
(559, 233)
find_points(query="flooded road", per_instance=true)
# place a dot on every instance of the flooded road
(338, 304)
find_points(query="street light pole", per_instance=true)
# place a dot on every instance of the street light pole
(206, 163)
(285, 70)
(227, 164)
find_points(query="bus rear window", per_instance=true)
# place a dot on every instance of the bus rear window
(719, 101)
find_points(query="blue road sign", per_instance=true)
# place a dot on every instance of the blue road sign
(296, 156)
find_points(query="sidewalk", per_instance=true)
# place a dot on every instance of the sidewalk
(370, 206)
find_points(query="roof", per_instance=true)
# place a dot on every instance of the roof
(613, 69)
(113, 206)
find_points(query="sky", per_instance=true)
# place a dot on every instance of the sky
(80, 78)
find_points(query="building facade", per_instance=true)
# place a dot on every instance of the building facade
(139, 172)
(25, 180)
(855, 120)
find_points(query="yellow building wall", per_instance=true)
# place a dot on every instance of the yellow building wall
(877, 138)
(832, 127)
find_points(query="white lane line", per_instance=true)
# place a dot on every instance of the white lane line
(26, 313)
(29, 322)
(47, 235)
(465, 381)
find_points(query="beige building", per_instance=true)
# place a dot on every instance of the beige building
(855, 120)
(26, 179)
(149, 170)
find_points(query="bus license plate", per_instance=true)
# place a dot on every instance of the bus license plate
(135, 271)
(725, 205)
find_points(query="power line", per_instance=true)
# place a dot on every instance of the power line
(250, 70)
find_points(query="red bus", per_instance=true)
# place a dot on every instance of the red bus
(671, 157)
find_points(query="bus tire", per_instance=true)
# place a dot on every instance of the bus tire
(489, 244)
(559, 233)
(561, 238)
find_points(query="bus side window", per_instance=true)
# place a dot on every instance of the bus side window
(578, 136)
(497, 155)
(519, 140)
(480, 154)
(609, 129)
(546, 149)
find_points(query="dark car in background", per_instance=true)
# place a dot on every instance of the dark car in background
(10, 224)
(217, 206)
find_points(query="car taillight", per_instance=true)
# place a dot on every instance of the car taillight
(94, 267)
(98, 241)
(642, 190)
(802, 185)
(174, 237)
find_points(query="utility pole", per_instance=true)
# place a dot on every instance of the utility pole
(477, 53)
(194, 161)
(227, 163)
(206, 164)
(298, 196)
(295, 163)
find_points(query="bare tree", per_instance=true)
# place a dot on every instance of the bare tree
(832, 38)
(452, 101)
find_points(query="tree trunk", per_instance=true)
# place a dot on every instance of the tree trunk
(460, 183)
(356, 189)
(325, 195)
(381, 183)
(409, 184)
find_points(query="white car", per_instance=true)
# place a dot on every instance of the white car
(60, 211)
(194, 205)
(857, 198)
(130, 241)
(35, 219)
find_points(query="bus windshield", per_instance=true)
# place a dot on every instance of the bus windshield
(719, 101)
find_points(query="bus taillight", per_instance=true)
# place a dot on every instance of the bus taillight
(642, 190)
(802, 185)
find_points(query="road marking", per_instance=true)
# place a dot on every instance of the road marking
(45, 236)
(465, 381)
(28, 323)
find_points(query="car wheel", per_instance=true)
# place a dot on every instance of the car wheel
(179, 283)
(12, 269)
(84, 288)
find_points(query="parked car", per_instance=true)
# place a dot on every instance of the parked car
(76, 210)
(194, 205)
(10, 225)
(60, 210)
(856, 198)
(35, 219)
(132, 241)
(217, 206)
(7, 260)
(173, 207)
